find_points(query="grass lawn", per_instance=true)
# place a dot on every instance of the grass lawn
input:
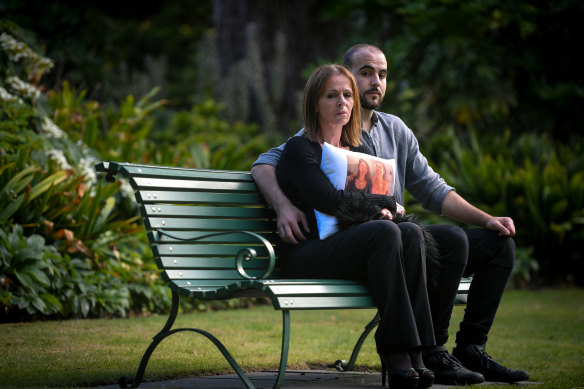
(539, 331)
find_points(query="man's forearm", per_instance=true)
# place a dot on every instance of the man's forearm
(265, 178)
(457, 208)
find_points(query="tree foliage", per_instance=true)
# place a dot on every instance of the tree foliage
(114, 49)
(486, 64)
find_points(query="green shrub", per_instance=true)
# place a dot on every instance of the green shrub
(72, 245)
(68, 246)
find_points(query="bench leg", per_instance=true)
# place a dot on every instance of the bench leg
(342, 365)
(285, 348)
(129, 382)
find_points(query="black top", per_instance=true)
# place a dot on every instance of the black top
(308, 188)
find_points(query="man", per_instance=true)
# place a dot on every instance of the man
(490, 250)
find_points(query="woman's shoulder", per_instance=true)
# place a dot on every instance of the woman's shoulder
(300, 144)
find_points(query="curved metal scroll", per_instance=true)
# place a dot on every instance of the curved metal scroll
(247, 254)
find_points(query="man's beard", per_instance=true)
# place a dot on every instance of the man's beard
(367, 105)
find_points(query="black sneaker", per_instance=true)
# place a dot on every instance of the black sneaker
(449, 371)
(474, 357)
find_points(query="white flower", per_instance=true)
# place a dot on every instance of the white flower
(16, 51)
(57, 155)
(86, 165)
(24, 89)
(51, 129)
(8, 97)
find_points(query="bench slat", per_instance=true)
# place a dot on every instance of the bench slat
(164, 210)
(341, 302)
(136, 170)
(207, 263)
(315, 290)
(207, 250)
(170, 223)
(160, 184)
(157, 237)
(217, 274)
(168, 197)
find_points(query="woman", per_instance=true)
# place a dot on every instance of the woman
(361, 181)
(379, 184)
(389, 257)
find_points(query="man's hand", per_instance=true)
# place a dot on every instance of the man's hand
(290, 218)
(458, 208)
(502, 224)
(290, 221)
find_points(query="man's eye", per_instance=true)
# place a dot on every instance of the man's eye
(382, 76)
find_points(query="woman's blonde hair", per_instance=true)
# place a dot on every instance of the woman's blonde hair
(314, 90)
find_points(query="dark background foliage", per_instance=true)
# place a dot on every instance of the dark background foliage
(491, 89)
(486, 64)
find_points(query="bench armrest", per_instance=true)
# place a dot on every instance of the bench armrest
(246, 254)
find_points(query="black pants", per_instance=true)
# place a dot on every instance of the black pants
(390, 258)
(486, 256)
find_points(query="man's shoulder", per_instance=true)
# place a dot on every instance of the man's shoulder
(390, 118)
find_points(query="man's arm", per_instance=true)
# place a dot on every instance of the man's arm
(288, 215)
(455, 207)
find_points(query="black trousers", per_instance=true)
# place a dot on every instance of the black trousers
(486, 256)
(390, 258)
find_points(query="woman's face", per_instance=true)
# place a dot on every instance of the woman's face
(380, 170)
(335, 105)
(363, 168)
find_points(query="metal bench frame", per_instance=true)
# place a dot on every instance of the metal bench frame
(212, 235)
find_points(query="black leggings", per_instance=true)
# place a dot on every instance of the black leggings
(390, 258)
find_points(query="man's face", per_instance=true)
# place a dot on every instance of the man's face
(370, 71)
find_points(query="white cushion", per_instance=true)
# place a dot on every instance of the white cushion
(339, 166)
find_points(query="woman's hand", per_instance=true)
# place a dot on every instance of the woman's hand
(385, 214)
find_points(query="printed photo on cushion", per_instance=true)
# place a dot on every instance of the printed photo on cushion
(352, 171)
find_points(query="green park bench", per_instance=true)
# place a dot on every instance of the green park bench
(212, 235)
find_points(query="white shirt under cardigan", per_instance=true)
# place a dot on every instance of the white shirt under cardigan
(390, 138)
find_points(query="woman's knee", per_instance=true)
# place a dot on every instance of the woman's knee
(382, 233)
(411, 232)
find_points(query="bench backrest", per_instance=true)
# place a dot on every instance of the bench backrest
(193, 216)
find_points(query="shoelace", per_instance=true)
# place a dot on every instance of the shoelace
(449, 360)
(485, 358)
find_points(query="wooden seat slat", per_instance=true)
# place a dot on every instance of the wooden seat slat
(137, 170)
(243, 239)
(206, 263)
(166, 223)
(166, 210)
(168, 183)
(170, 197)
(208, 250)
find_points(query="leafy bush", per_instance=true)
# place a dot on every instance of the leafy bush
(72, 245)
(68, 248)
